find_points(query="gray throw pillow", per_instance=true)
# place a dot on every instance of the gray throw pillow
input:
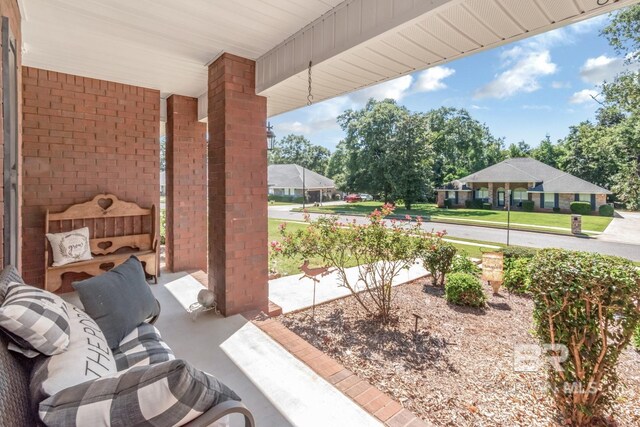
(8, 275)
(165, 394)
(118, 300)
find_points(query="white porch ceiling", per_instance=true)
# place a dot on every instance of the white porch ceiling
(167, 44)
(364, 42)
(161, 44)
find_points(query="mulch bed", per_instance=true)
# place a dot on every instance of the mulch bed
(458, 370)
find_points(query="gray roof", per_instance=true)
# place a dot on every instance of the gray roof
(526, 169)
(290, 176)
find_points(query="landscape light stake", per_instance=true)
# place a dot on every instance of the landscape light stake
(415, 328)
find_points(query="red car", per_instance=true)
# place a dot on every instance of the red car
(352, 198)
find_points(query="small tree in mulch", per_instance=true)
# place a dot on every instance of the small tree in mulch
(464, 289)
(587, 303)
(380, 249)
(437, 257)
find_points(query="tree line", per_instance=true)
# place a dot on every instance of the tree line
(398, 154)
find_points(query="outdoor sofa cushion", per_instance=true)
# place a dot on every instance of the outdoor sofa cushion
(9, 274)
(69, 247)
(118, 300)
(165, 394)
(142, 347)
(88, 357)
(35, 319)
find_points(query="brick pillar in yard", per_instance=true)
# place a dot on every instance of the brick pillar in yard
(186, 184)
(237, 159)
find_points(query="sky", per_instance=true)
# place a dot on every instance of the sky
(522, 91)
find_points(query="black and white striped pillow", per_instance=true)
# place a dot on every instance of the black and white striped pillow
(35, 319)
(165, 394)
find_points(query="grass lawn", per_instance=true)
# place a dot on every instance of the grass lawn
(289, 266)
(274, 203)
(461, 216)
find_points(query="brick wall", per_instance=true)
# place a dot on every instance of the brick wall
(10, 9)
(237, 156)
(186, 243)
(81, 137)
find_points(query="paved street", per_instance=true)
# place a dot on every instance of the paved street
(520, 238)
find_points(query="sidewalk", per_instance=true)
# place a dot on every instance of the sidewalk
(293, 294)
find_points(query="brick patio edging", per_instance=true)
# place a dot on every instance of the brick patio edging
(372, 400)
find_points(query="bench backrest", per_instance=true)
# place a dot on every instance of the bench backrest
(113, 224)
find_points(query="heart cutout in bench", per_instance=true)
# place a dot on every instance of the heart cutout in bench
(105, 203)
(106, 266)
(105, 245)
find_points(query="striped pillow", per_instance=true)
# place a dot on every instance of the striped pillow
(165, 394)
(35, 319)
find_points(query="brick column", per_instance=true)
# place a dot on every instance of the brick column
(507, 196)
(491, 197)
(186, 207)
(237, 153)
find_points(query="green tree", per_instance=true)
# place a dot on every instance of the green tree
(386, 151)
(521, 149)
(461, 144)
(296, 149)
(547, 152)
(336, 166)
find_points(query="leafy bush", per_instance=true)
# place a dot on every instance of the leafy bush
(517, 275)
(636, 338)
(462, 264)
(380, 249)
(448, 203)
(468, 204)
(528, 205)
(514, 252)
(586, 303)
(556, 209)
(605, 210)
(487, 206)
(464, 289)
(437, 257)
(163, 226)
(476, 204)
(580, 208)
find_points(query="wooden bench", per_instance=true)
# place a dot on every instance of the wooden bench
(117, 230)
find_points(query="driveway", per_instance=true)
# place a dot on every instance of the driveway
(630, 248)
(624, 228)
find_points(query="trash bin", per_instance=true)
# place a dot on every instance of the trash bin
(576, 224)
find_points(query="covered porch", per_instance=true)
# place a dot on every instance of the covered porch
(88, 85)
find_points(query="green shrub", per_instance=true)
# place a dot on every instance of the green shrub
(514, 252)
(437, 257)
(468, 204)
(556, 209)
(517, 275)
(476, 203)
(163, 226)
(448, 203)
(580, 208)
(528, 205)
(636, 338)
(285, 199)
(462, 264)
(487, 206)
(605, 210)
(587, 303)
(464, 289)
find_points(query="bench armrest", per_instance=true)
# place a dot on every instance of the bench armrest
(221, 410)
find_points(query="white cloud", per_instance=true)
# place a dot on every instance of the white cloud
(394, 89)
(585, 95)
(478, 107)
(597, 70)
(292, 127)
(431, 79)
(560, 84)
(526, 68)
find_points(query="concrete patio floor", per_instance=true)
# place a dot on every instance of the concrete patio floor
(279, 389)
(292, 293)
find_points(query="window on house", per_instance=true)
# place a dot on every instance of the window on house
(518, 195)
(482, 193)
(582, 197)
(451, 194)
(10, 135)
(549, 200)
